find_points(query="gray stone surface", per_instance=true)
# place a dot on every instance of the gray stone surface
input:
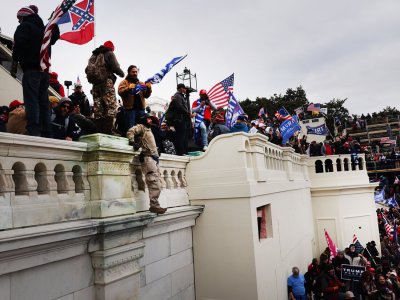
(53, 280)
(85, 294)
(5, 287)
(168, 265)
(125, 289)
(156, 248)
(159, 289)
(181, 240)
(182, 279)
(67, 297)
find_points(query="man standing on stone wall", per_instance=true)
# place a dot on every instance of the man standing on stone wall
(100, 72)
(134, 94)
(178, 116)
(28, 39)
(140, 136)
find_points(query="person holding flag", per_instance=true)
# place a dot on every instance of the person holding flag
(202, 107)
(355, 259)
(134, 103)
(28, 40)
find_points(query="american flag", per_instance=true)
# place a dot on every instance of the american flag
(314, 107)
(331, 245)
(388, 227)
(282, 114)
(356, 242)
(219, 93)
(55, 17)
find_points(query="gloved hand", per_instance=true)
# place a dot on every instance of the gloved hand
(141, 158)
(156, 158)
(136, 146)
(14, 69)
(132, 86)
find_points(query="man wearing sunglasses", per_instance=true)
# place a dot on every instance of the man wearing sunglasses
(63, 127)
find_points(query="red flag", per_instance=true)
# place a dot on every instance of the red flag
(77, 25)
(331, 244)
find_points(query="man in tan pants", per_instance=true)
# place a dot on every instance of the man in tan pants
(140, 136)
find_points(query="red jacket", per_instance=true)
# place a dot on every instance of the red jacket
(207, 111)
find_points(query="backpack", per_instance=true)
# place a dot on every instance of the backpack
(96, 70)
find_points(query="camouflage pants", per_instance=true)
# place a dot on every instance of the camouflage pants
(153, 180)
(104, 100)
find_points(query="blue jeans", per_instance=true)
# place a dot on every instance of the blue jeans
(132, 116)
(301, 297)
(204, 134)
(35, 86)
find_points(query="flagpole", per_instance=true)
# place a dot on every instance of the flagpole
(95, 22)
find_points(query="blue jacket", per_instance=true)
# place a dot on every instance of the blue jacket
(240, 127)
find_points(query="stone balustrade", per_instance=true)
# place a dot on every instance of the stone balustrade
(337, 169)
(45, 181)
(254, 160)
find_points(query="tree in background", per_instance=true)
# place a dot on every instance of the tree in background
(293, 99)
(336, 112)
(388, 111)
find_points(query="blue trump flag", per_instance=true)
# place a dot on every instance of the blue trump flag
(319, 130)
(233, 112)
(198, 119)
(289, 126)
(156, 78)
(160, 75)
(380, 196)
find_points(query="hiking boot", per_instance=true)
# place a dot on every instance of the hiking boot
(157, 210)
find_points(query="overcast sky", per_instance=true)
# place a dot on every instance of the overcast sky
(334, 49)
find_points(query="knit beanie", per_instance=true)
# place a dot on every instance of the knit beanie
(25, 12)
(109, 45)
(34, 8)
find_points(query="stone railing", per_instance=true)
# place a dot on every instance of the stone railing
(254, 160)
(173, 178)
(46, 181)
(333, 169)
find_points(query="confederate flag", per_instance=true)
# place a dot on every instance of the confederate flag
(77, 25)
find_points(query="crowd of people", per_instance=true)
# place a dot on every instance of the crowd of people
(380, 276)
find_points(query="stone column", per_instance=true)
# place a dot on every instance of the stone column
(6, 188)
(109, 175)
(288, 163)
(115, 253)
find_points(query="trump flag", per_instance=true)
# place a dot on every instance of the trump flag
(77, 25)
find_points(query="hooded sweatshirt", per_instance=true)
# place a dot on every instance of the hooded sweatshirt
(63, 126)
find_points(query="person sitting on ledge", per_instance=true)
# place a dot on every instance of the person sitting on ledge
(17, 118)
(63, 127)
(140, 136)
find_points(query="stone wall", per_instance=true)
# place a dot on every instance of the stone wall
(75, 226)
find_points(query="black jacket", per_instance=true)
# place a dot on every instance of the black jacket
(83, 102)
(63, 127)
(177, 110)
(28, 39)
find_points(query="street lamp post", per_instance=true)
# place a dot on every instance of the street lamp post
(189, 80)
